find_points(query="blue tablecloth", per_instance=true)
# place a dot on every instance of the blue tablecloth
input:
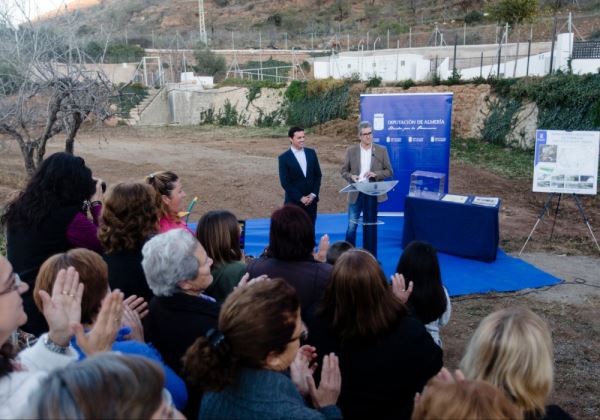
(466, 230)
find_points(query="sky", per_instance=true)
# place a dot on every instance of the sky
(34, 7)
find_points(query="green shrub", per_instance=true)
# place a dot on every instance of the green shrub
(374, 81)
(229, 115)
(500, 120)
(129, 96)
(565, 101)
(249, 82)
(407, 84)
(209, 63)
(316, 102)
(115, 52)
(273, 119)
(473, 17)
(207, 116)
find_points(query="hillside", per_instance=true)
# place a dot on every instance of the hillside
(299, 23)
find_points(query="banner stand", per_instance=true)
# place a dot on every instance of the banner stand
(545, 209)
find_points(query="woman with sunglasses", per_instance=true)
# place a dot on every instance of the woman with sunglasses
(20, 374)
(242, 365)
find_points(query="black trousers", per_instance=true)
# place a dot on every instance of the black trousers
(311, 209)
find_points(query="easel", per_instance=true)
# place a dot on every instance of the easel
(545, 209)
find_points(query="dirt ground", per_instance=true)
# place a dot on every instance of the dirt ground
(236, 169)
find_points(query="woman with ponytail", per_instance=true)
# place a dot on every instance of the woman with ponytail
(169, 199)
(241, 365)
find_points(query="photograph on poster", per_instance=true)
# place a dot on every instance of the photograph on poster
(566, 161)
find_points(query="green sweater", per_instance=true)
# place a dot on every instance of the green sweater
(225, 278)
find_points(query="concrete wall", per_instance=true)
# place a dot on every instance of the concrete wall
(157, 111)
(183, 104)
(389, 67)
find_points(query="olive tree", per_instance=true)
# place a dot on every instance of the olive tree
(46, 88)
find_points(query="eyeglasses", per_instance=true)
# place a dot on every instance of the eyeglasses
(302, 337)
(367, 134)
(14, 284)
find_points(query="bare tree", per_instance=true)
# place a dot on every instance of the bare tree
(46, 88)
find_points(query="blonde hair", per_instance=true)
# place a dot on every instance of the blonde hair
(464, 400)
(512, 349)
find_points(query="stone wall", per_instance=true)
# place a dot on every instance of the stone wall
(468, 105)
(469, 110)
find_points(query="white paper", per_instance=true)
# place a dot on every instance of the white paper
(455, 198)
(486, 201)
(566, 161)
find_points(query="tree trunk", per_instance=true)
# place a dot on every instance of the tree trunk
(72, 132)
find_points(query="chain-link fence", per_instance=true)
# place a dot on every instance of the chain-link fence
(351, 39)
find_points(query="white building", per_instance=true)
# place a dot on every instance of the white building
(402, 64)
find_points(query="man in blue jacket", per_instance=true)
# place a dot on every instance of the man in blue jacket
(300, 174)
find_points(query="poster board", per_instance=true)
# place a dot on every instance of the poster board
(415, 129)
(566, 162)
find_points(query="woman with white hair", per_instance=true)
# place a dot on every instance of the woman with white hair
(177, 269)
(512, 349)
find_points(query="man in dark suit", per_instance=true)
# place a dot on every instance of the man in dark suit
(300, 174)
(364, 162)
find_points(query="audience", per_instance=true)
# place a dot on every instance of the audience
(240, 343)
(20, 374)
(429, 300)
(169, 199)
(336, 250)
(48, 217)
(129, 218)
(242, 363)
(386, 356)
(219, 233)
(108, 386)
(512, 349)
(461, 400)
(178, 272)
(290, 255)
(93, 274)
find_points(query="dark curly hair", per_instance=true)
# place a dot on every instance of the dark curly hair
(129, 217)
(61, 180)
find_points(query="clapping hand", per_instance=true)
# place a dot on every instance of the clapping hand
(321, 254)
(64, 307)
(247, 281)
(103, 333)
(137, 305)
(302, 367)
(330, 385)
(132, 320)
(399, 287)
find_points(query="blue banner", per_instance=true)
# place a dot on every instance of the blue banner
(415, 128)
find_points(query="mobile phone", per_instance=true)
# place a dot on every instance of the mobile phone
(242, 224)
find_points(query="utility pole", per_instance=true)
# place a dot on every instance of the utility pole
(201, 24)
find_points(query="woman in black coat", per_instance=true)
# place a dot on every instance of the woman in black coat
(386, 356)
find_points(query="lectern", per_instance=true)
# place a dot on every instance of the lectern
(369, 222)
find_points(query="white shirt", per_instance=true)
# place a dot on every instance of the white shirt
(365, 162)
(301, 158)
(16, 387)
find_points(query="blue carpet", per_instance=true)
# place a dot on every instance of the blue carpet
(460, 276)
